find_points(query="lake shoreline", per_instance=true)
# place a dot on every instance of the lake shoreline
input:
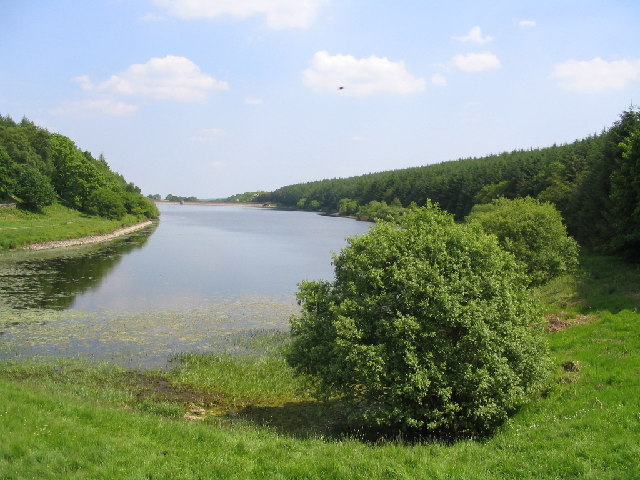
(88, 240)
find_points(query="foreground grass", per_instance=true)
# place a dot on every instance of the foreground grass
(75, 420)
(55, 222)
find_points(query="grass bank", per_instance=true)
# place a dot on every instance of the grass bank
(55, 222)
(245, 416)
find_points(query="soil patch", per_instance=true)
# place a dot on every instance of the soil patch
(561, 321)
(160, 389)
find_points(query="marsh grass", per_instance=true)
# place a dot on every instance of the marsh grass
(76, 419)
(55, 222)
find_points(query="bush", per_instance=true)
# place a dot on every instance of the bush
(533, 231)
(427, 328)
(138, 205)
(106, 203)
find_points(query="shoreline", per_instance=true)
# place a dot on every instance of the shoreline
(212, 204)
(91, 239)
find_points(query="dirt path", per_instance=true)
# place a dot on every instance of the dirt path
(87, 240)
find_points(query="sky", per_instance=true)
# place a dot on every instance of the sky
(209, 98)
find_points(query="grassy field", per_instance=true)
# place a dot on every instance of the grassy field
(20, 227)
(242, 417)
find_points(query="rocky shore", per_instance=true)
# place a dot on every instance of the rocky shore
(87, 240)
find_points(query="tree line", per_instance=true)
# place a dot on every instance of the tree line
(594, 182)
(38, 168)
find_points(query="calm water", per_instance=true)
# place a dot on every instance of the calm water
(204, 273)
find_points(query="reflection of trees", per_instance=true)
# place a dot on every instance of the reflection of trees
(54, 282)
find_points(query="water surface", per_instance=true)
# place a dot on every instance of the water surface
(201, 277)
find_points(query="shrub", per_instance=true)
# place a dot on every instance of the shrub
(428, 327)
(138, 205)
(106, 203)
(533, 231)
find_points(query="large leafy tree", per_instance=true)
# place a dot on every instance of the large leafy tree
(428, 327)
(75, 178)
(34, 188)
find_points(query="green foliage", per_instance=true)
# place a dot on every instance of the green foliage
(246, 197)
(175, 198)
(347, 207)
(593, 182)
(62, 419)
(428, 327)
(625, 196)
(375, 211)
(39, 168)
(533, 232)
(34, 188)
(138, 205)
(55, 222)
(106, 203)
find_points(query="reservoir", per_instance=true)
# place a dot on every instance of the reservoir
(201, 278)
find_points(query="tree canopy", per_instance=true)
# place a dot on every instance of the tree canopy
(533, 231)
(38, 168)
(593, 182)
(428, 327)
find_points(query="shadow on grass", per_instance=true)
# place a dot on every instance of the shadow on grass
(607, 283)
(306, 419)
(329, 421)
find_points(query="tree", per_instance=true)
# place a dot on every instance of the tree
(76, 177)
(7, 177)
(533, 232)
(428, 327)
(34, 188)
(625, 196)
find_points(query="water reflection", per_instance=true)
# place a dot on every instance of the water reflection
(52, 280)
(205, 276)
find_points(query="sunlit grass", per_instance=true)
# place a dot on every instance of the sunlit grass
(240, 413)
(55, 222)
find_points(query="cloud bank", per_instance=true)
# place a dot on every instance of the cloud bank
(360, 76)
(597, 75)
(475, 62)
(168, 78)
(474, 36)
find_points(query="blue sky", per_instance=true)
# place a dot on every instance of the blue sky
(216, 97)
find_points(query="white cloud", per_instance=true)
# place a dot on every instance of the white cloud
(359, 76)
(84, 81)
(526, 23)
(596, 75)
(96, 106)
(476, 62)
(439, 80)
(217, 164)
(474, 36)
(358, 139)
(279, 13)
(168, 78)
(208, 135)
(253, 101)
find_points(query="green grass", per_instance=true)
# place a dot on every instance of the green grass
(71, 419)
(55, 222)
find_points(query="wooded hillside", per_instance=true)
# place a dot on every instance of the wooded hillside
(38, 168)
(594, 182)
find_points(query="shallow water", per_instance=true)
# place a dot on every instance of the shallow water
(204, 276)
